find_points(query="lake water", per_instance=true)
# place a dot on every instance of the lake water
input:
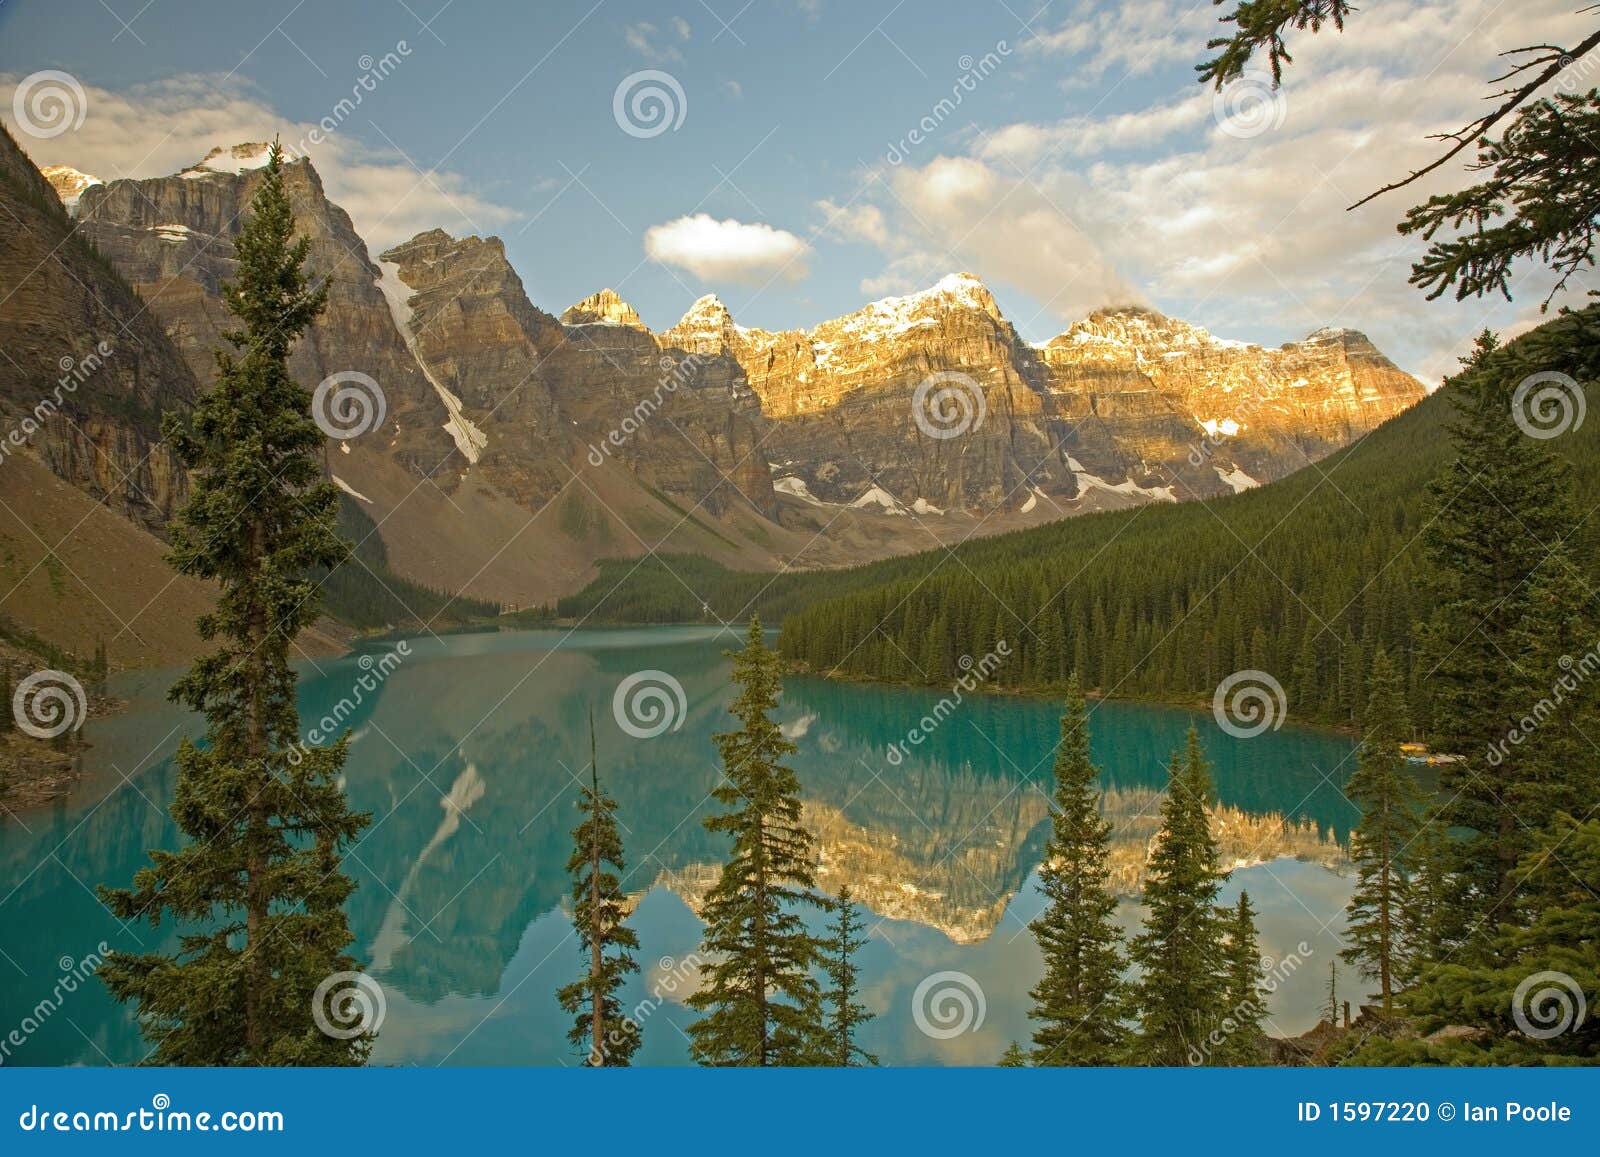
(469, 757)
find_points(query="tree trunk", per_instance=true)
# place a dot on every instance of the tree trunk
(256, 899)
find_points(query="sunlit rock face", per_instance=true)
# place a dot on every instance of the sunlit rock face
(1142, 391)
(172, 238)
(914, 416)
(87, 372)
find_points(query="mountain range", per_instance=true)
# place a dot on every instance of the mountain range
(517, 447)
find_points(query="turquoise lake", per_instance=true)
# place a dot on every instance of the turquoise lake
(468, 755)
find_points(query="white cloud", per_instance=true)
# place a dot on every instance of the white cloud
(654, 43)
(728, 250)
(157, 129)
(1129, 38)
(854, 222)
(1250, 237)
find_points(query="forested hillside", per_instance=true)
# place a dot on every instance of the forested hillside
(1303, 578)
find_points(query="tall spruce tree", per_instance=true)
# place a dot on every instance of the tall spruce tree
(1554, 685)
(1498, 508)
(846, 1014)
(1390, 801)
(1244, 1005)
(1527, 994)
(760, 1002)
(1080, 1001)
(1428, 897)
(1179, 952)
(262, 868)
(607, 1037)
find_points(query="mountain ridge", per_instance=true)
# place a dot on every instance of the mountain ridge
(771, 450)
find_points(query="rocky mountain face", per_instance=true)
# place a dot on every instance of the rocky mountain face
(172, 239)
(914, 417)
(87, 371)
(1126, 403)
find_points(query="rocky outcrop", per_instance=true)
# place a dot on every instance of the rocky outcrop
(1143, 394)
(172, 238)
(88, 372)
(603, 308)
(915, 415)
(933, 401)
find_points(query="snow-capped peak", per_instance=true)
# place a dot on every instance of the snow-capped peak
(603, 308)
(710, 303)
(707, 328)
(892, 315)
(240, 158)
(69, 183)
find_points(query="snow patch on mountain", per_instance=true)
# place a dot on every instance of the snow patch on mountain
(69, 183)
(348, 489)
(469, 439)
(235, 159)
(1236, 478)
(878, 496)
(1128, 489)
(795, 487)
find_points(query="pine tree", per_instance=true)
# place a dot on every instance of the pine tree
(846, 1013)
(1499, 507)
(1556, 772)
(607, 1037)
(1390, 803)
(760, 1002)
(1180, 950)
(1330, 1007)
(1080, 1001)
(1422, 919)
(1535, 977)
(1014, 1057)
(1244, 1009)
(262, 871)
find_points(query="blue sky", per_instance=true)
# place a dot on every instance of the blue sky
(1082, 164)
